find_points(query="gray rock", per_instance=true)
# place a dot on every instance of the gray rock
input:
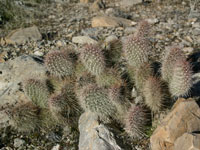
(130, 3)
(12, 74)
(18, 142)
(90, 32)
(57, 147)
(111, 38)
(95, 136)
(83, 40)
(21, 36)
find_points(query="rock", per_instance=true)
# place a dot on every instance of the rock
(105, 21)
(83, 40)
(97, 5)
(188, 50)
(38, 53)
(12, 73)
(111, 38)
(130, 30)
(92, 32)
(95, 136)
(134, 92)
(21, 36)
(188, 141)
(18, 142)
(129, 3)
(183, 118)
(57, 147)
(84, 1)
(152, 20)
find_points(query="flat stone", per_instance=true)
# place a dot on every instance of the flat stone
(106, 21)
(129, 3)
(83, 40)
(95, 136)
(188, 141)
(21, 36)
(184, 117)
(12, 74)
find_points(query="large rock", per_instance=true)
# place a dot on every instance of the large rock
(188, 141)
(105, 21)
(184, 117)
(12, 74)
(21, 36)
(95, 136)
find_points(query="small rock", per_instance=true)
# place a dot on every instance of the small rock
(134, 92)
(181, 119)
(188, 141)
(18, 142)
(129, 3)
(139, 100)
(92, 32)
(39, 53)
(105, 21)
(57, 147)
(152, 20)
(196, 25)
(60, 43)
(130, 30)
(21, 36)
(111, 38)
(97, 5)
(188, 50)
(83, 40)
(84, 1)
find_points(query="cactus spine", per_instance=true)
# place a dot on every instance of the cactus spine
(93, 59)
(37, 91)
(181, 81)
(59, 63)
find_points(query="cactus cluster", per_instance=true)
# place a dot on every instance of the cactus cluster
(95, 82)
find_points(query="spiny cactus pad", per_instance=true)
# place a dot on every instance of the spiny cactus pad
(93, 59)
(171, 55)
(64, 107)
(181, 81)
(153, 94)
(142, 73)
(136, 50)
(37, 91)
(59, 63)
(97, 100)
(136, 121)
(25, 117)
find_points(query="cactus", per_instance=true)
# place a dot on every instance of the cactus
(142, 73)
(109, 78)
(136, 50)
(64, 106)
(93, 59)
(96, 100)
(171, 55)
(114, 51)
(153, 94)
(135, 121)
(24, 117)
(37, 91)
(59, 63)
(143, 29)
(181, 81)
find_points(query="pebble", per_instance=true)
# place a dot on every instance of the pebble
(38, 53)
(111, 38)
(83, 40)
(57, 147)
(188, 50)
(18, 142)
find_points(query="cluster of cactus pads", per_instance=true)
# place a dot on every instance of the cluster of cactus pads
(97, 80)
